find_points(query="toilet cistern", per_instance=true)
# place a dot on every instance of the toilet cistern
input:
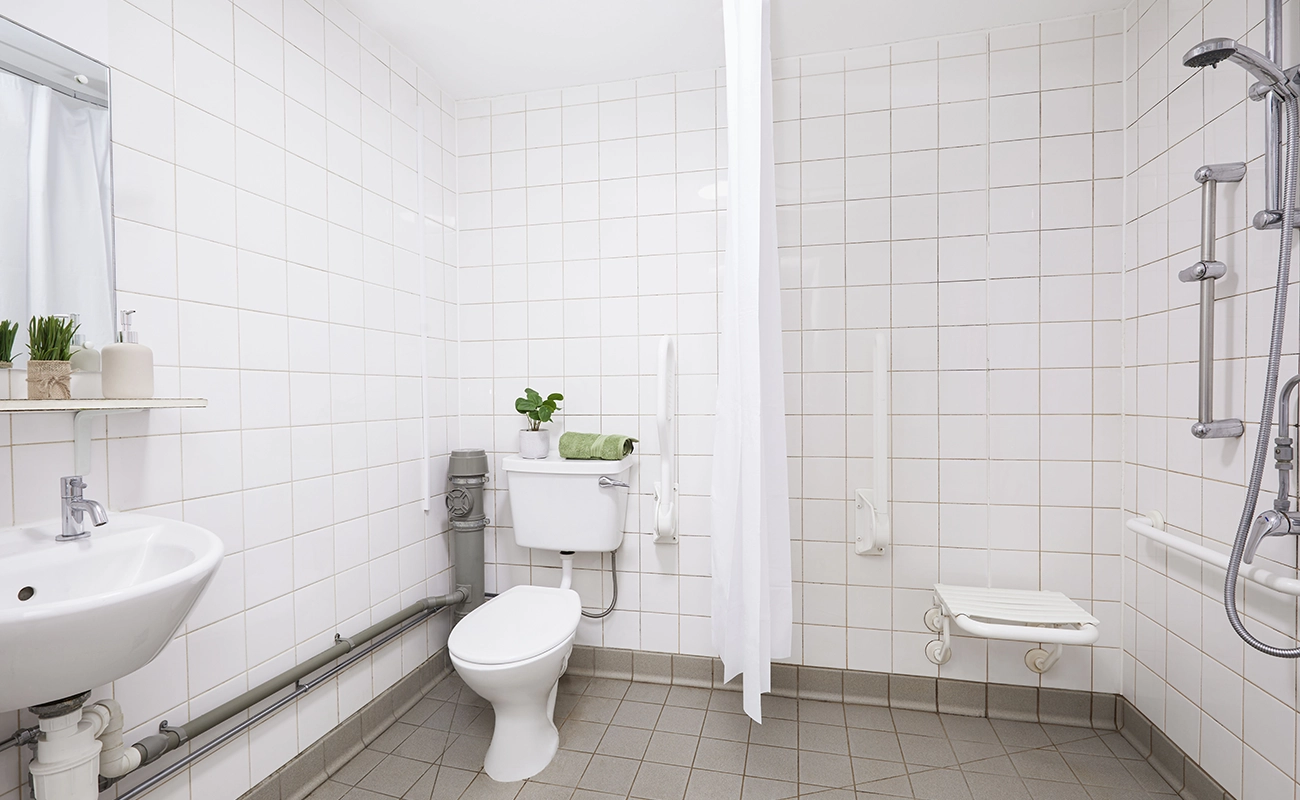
(75, 507)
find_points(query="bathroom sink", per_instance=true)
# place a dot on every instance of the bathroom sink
(77, 615)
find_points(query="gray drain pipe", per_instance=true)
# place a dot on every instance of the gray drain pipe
(468, 473)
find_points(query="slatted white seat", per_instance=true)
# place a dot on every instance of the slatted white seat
(1018, 615)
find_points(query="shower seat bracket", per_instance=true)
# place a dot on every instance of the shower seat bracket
(1045, 618)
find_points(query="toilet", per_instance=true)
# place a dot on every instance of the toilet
(513, 649)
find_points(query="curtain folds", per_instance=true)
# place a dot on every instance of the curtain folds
(752, 604)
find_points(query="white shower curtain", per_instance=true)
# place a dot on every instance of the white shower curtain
(751, 499)
(56, 210)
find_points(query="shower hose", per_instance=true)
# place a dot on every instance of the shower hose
(1270, 391)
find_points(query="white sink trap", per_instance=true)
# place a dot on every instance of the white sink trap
(98, 608)
(1019, 615)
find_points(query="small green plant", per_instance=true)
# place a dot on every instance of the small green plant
(8, 332)
(536, 409)
(50, 338)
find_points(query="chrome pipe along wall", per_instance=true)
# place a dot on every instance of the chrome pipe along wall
(465, 510)
(467, 472)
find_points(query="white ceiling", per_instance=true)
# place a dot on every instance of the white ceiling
(485, 48)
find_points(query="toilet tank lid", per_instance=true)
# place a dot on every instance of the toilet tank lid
(555, 465)
(518, 624)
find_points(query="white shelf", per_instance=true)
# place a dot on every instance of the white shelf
(7, 406)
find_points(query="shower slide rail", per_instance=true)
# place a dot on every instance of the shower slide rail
(1151, 525)
(1206, 272)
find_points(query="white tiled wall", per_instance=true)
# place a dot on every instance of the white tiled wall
(1229, 707)
(964, 194)
(265, 156)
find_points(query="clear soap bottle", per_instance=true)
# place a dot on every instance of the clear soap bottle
(127, 365)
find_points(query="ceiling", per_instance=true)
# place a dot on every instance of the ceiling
(486, 48)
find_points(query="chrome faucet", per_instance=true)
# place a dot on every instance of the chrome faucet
(75, 507)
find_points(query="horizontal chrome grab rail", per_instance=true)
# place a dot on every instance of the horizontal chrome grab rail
(1154, 530)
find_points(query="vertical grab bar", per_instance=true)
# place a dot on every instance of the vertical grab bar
(1206, 272)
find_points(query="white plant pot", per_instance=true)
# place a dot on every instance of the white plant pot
(535, 444)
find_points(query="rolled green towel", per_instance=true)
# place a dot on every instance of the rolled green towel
(605, 446)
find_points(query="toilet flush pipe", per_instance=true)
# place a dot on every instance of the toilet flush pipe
(169, 738)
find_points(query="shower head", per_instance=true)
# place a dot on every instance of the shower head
(1211, 51)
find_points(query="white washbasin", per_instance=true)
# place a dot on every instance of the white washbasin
(99, 608)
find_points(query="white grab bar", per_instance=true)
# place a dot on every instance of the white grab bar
(872, 515)
(666, 512)
(1152, 526)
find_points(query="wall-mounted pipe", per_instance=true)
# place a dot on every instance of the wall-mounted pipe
(467, 472)
(169, 738)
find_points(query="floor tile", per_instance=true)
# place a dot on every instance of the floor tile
(647, 693)
(821, 711)
(637, 715)
(876, 718)
(920, 723)
(940, 784)
(329, 790)
(609, 774)
(775, 733)
(565, 769)
(825, 769)
(484, 788)
(544, 791)
(822, 738)
(424, 744)
(576, 734)
(1098, 771)
(676, 719)
(1042, 764)
(356, 769)
(691, 697)
(775, 763)
(388, 741)
(677, 748)
(1047, 790)
(465, 752)
(926, 751)
(624, 742)
(968, 729)
(996, 787)
(733, 727)
(394, 776)
(866, 770)
(755, 788)
(1020, 734)
(656, 742)
(705, 785)
(660, 782)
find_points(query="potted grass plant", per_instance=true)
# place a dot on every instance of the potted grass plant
(8, 333)
(534, 441)
(49, 350)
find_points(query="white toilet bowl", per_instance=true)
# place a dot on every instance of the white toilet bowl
(512, 651)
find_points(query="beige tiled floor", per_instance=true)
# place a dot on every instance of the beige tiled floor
(651, 742)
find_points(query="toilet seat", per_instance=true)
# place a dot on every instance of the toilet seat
(517, 625)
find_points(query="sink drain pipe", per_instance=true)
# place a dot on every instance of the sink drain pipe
(467, 474)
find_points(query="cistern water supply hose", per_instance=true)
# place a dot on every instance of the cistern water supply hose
(1270, 391)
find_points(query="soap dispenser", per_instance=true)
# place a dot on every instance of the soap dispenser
(127, 365)
(86, 367)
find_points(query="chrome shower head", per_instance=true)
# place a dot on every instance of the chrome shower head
(1212, 51)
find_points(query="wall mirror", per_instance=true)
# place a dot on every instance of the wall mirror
(56, 186)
